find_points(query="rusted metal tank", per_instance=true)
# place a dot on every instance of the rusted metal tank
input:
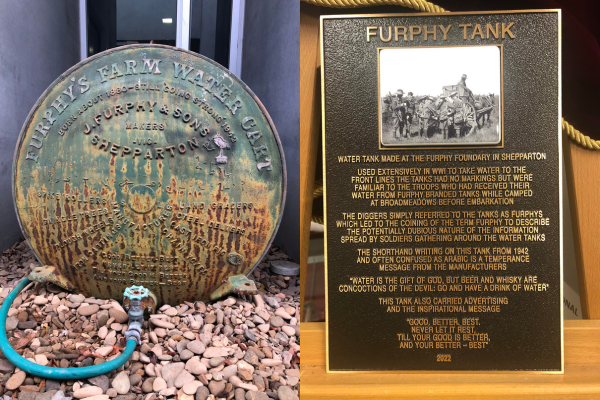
(149, 165)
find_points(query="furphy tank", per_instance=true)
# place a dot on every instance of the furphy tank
(149, 165)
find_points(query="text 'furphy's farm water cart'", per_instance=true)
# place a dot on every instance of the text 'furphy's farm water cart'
(151, 171)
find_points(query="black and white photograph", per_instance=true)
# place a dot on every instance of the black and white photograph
(440, 96)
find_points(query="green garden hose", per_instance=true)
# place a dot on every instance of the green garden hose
(59, 373)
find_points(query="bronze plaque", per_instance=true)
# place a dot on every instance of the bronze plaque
(442, 171)
(149, 165)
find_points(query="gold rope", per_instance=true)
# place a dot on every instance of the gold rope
(318, 192)
(317, 219)
(580, 138)
(420, 5)
(425, 6)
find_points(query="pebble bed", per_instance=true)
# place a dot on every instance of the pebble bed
(236, 348)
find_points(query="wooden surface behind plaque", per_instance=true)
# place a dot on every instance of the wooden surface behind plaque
(581, 379)
(310, 125)
(582, 166)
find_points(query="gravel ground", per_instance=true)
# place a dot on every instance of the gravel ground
(235, 348)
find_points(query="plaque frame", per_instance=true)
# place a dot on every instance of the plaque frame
(560, 181)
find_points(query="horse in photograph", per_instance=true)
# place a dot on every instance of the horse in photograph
(484, 105)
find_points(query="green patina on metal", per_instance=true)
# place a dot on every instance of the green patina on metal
(235, 284)
(48, 273)
(149, 165)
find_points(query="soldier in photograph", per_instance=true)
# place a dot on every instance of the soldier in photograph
(454, 112)
(428, 116)
(387, 102)
(463, 83)
(398, 112)
(410, 111)
(442, 110)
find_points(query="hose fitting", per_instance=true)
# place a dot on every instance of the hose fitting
(135, 300)
(134, 333)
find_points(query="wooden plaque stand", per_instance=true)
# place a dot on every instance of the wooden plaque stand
(581, 379)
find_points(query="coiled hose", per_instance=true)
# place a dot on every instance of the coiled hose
(50, 372)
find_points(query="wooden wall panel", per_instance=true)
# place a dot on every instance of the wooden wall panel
(583, 178)
(310, 126)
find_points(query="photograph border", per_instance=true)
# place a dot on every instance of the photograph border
(560, 183)
(451, 146)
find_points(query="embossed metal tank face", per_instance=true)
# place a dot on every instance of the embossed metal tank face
(149, 165)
